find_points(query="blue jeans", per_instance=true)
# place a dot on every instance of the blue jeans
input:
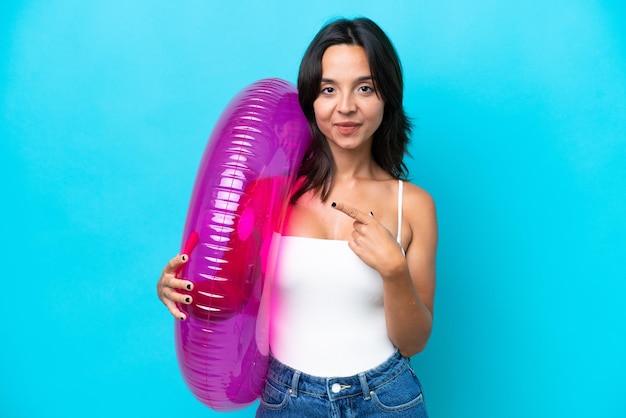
(388, 390)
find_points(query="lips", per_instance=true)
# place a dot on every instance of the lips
(347, 128)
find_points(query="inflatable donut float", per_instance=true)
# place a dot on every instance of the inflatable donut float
(238, 203)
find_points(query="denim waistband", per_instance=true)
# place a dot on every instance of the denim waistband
(334, 388)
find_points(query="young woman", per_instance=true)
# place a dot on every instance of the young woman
(353, 293)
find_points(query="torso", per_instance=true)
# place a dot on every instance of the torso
(327, 314)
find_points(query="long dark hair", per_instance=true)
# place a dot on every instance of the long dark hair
(390, 139)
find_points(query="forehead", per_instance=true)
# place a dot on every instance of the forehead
(345, 60)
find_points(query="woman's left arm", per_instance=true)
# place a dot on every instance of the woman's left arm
(408, 281)
(409, 286)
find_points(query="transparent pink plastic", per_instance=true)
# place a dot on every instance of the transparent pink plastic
(238, 202)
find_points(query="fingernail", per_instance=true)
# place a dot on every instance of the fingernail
(182, 317)
(372, 213)
(188, 300)
(333, 204)
(183, 257)
(188, 286)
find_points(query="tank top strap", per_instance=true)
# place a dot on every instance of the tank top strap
(399, 237)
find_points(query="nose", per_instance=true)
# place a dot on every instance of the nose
(346, 104)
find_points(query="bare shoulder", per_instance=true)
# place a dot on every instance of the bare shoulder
(420, 212)
(417, 198)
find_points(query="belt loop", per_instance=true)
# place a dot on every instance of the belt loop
(364, 386)
(294, 383)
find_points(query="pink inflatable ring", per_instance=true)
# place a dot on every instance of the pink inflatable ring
(238, 202)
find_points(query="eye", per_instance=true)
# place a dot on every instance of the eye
(366, 89)
(327, 90)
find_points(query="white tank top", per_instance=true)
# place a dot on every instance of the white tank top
(327, 314)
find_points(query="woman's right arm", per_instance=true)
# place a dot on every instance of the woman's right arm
(168, 287)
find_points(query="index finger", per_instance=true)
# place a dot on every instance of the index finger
(174, 265)
(352, 212)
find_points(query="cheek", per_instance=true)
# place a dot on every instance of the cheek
(322, 116)
(375, 115)
(381, 113)
(320, 111)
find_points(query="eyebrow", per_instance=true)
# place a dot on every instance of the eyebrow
(359, 79)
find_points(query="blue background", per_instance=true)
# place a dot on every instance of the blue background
(520, 136)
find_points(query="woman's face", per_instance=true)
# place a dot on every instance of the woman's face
(347, 111)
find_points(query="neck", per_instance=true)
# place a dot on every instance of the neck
(351, 164)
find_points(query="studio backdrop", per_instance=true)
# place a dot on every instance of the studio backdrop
(519, 116)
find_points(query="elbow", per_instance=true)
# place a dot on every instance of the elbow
(409, 352)
(414, 347)
(413, 340)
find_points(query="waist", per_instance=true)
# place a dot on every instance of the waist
(360, 384)
(333, 351)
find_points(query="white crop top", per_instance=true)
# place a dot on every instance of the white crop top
(327, 314)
